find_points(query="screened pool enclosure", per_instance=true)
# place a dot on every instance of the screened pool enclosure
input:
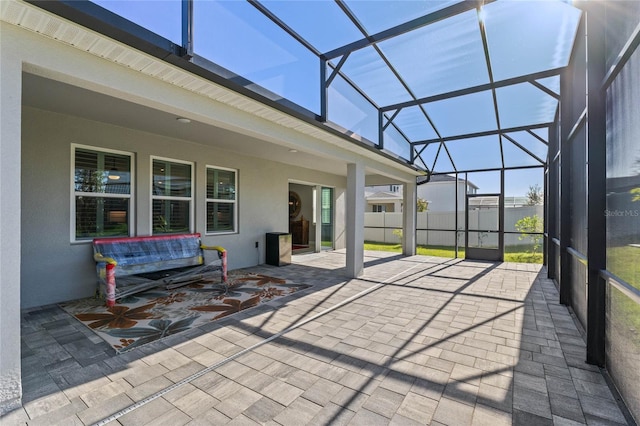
(505, 94)
(443, 85)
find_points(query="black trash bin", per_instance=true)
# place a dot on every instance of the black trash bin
(278, 248)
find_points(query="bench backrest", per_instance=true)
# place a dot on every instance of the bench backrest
(136, 255)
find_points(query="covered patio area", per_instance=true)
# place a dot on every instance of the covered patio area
(415, 340)
(135, 119)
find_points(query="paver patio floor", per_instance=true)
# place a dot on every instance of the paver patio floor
(415, 340)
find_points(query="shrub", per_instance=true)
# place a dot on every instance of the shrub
(530, 228)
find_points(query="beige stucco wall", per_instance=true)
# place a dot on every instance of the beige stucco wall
(63, 270)
(60, 270)
(10, 116)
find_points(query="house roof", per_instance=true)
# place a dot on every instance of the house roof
(421, 180)
(383, 195)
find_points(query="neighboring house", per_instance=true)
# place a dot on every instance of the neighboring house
(383, 198)
(379, 202)
(440, 192)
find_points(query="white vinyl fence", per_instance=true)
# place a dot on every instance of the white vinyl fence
(379, 227)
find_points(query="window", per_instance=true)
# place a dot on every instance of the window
(221, 200)
(171, 196)
(102, 193)
(378, 208)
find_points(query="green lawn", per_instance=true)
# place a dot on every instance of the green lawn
(520, 254)
(624, 313)
(625, 263)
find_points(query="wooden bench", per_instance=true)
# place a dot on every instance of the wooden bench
(130, 265)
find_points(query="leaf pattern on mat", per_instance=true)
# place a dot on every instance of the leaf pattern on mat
(221, 292)
(129, 325)
(158, 328)
(229, 306)
(141, 297)
(170, 298)
(117, 316)
(261, 280)
(269, 293)
(123, 343)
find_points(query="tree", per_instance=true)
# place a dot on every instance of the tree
(530, 227)
(534, 195)
(422, 205)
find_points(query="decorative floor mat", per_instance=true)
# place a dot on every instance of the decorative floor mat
(146, 317)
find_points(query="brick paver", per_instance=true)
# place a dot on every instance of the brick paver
(433, 341)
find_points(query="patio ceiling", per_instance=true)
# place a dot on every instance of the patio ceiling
(444, 85)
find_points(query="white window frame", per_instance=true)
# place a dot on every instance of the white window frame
(74, 193)
(172, 198)
(218, 200)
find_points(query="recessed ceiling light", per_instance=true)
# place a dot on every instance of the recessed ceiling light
(183, 120)
(293, 150)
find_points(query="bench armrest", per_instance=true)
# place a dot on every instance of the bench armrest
(218, 248)
(106, 274)
(99, 258)
(222, 255)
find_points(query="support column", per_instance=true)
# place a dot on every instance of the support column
(318, 213)
(597, 184)
(10, 140)
(409, 219)
(552, 202)
(355, 219)
(566, 293)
